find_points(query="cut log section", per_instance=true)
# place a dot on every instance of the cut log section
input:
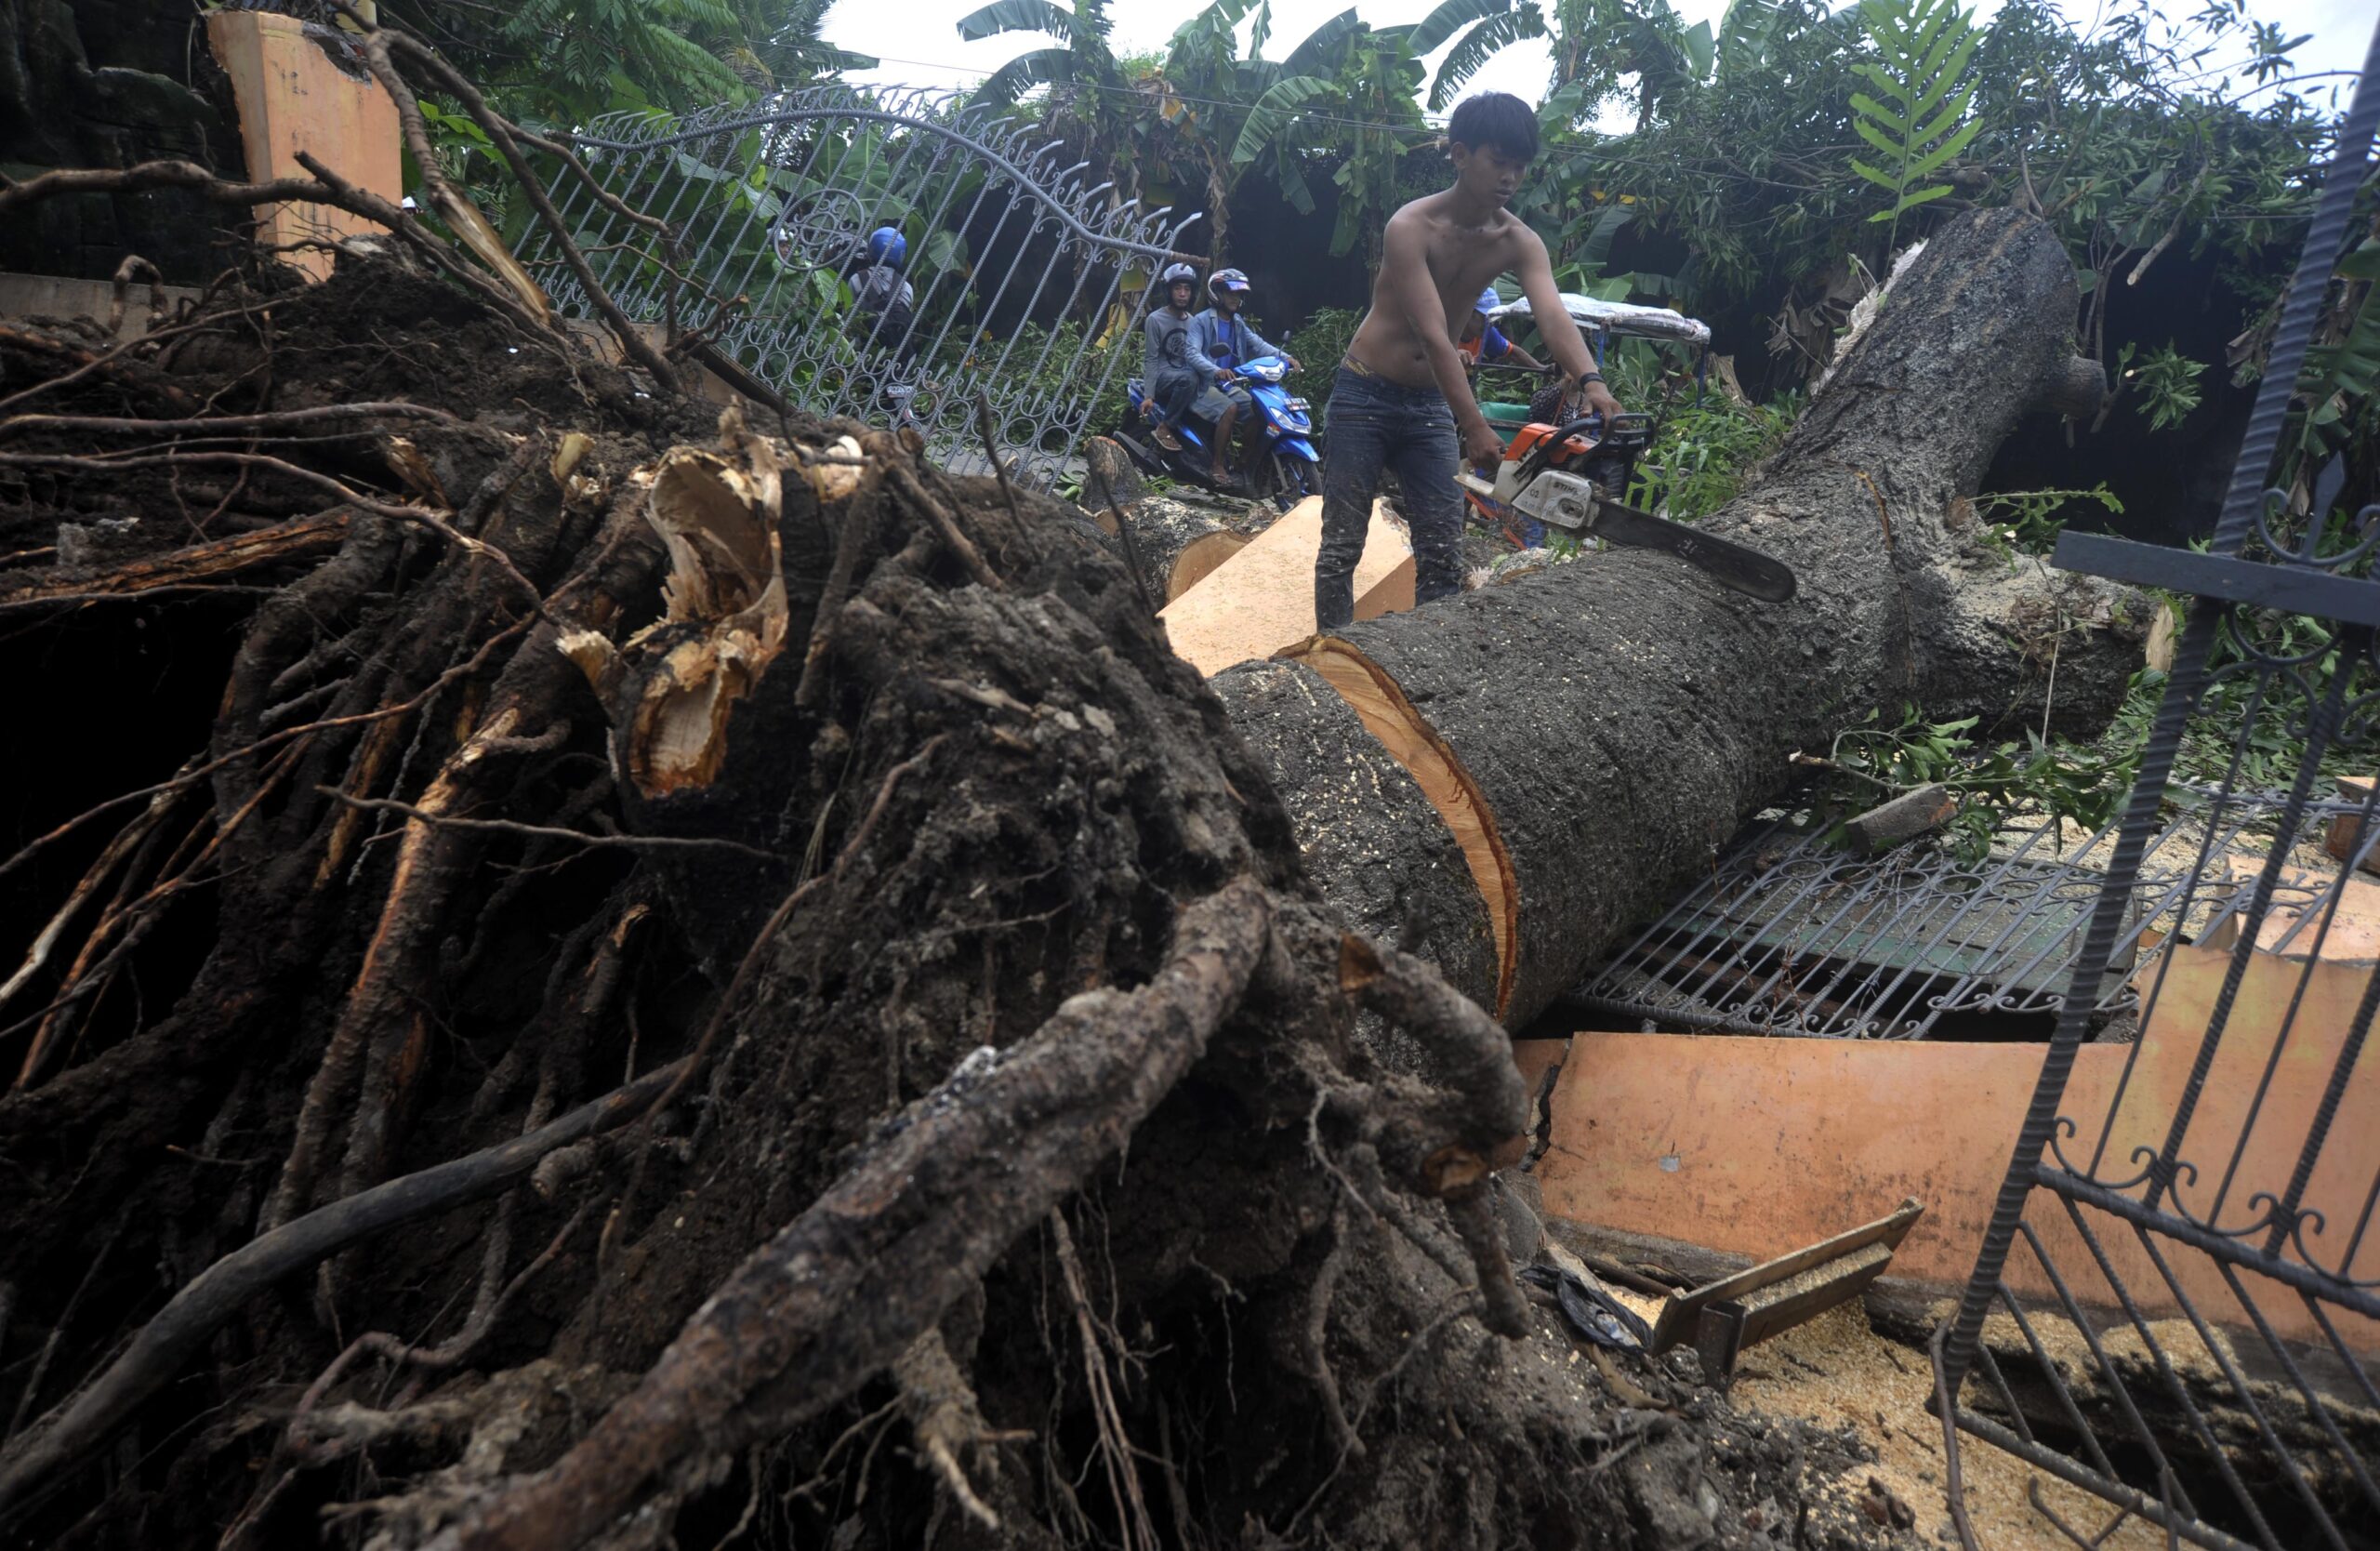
(1179, 543)
(1904, 818)
(1199, 558)
(1109, 480)
(1445, 784)
(1261, 598)
(1395, 871)
(1588, 737)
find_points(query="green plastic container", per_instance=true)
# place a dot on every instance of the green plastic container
(1505, 418)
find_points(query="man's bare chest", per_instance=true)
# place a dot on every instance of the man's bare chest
(1461, 263)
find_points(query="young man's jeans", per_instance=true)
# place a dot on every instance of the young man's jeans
(1374, 424)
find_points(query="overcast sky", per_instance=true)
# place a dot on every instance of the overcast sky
(919, 40)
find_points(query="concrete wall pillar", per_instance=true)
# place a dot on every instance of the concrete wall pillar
(293, 96)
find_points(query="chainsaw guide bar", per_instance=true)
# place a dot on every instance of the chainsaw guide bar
(1573, 504)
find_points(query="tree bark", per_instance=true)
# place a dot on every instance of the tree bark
(1592, 735)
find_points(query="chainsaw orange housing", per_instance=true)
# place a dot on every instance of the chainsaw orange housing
(1529, 435)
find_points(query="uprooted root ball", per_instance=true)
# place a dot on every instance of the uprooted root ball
(592, 978)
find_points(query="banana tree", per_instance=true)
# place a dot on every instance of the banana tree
(1196, 96)
(1353, 91)
(1090, 100)
(1486, 28)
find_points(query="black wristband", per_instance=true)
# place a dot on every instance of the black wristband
(1585, 377)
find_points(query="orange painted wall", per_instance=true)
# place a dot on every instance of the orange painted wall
(1759, 1146)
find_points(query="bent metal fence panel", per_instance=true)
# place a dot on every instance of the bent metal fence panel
(2176, 1303)
(747, 229)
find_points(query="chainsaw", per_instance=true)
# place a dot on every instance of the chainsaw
(1532, 482)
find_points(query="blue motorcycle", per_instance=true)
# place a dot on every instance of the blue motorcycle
(1291, 468)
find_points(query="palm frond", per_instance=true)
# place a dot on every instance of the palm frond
(1042, 67)
(1310, 56)
(1018, 16)
(1474, 49)
(1269, 119)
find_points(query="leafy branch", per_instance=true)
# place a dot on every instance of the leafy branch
(1917, 128)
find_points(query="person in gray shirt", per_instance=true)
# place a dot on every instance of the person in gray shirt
(1174, 368)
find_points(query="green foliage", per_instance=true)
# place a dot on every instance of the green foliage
(2251, 733)
(2340, 383)
(1319, 344)
(1921, 121)
(2129, 137)
(1704, 445)
(2247, 732)
(2059, 781)
(1910, 754)
(561, 61)
(1701, 453)
(2164, 384)
(1038, 361)
(2030, 520)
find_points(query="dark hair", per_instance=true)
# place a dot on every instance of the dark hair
(1496, 118)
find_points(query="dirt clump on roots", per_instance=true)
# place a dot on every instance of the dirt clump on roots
(587, 972)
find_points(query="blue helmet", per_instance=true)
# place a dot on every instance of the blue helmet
(1489, 301)
(886, 245)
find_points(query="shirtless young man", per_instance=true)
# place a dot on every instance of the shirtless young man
(1402, 399)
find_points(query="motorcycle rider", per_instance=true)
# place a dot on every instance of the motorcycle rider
(1224, 338)
(1175, 368)
(884, 304)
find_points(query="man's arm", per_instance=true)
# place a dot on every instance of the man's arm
(1405, 265)
(1562, 337)
(1193, 347)
(1259, 345)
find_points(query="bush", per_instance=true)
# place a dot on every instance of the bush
(1706, 444)
(1319, 344)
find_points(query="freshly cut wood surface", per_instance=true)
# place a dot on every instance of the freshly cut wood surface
(1390, 718)
(1198, 559)
(1262, 599)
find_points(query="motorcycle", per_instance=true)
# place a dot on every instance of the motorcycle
(1291, 469)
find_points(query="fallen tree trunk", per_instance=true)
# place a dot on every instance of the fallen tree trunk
(994, 1060)
(1588, 735)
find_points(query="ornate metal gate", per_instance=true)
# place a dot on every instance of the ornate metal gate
(1019, 283)
(2177, 1305)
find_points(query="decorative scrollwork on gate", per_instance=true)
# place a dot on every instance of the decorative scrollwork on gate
(1017, 290)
